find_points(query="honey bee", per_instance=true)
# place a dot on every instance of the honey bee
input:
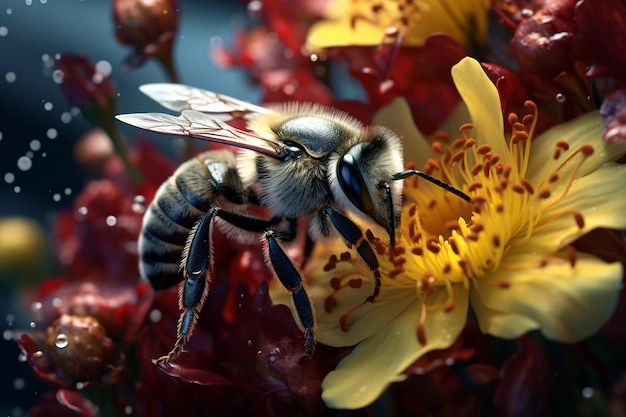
(296, 160)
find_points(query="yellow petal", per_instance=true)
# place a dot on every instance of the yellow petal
(397, 117)
(482, 99)
(599, 197)
(584, 130)
(366, 320)
(567, 304)
(379, 360)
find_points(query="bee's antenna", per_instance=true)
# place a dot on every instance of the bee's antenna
(405, 174)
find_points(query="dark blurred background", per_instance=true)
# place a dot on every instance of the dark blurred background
(38, 129)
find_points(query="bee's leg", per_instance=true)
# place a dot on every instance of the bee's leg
(291, 280)
(197, 265)
(354, 236)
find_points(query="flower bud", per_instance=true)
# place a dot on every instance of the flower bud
(79, 347)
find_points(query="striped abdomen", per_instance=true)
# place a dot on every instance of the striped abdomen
(195, 187)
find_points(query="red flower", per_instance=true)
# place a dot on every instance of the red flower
(150, 27)
(86, 88)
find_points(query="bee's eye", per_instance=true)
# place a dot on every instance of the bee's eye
(353, 183)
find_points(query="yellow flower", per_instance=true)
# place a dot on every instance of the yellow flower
(372, 22)
(507, 253)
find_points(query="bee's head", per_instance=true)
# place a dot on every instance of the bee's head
(359, 173)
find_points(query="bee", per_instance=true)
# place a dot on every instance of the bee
(295, 160)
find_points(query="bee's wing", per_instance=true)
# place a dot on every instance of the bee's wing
(179, 97)
(204, 126)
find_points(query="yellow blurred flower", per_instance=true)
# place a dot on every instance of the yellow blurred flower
(507, 253)
(372, 22)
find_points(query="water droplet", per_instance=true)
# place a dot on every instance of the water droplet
(128, 410)
(32, 324)
(139, 204)
(47, 106)
(4, 31)
(9, 318)
(314, 57)
(7, 335)
(56, 197)
(66, 117)
(35, 145)
(43, 1)
(10, 77)
(249, 342)
(527, 12)
(52, 133)
(155, 316)
(587, 392)
(57, 76)
(9, 177)
(111, 220)
(74, 111)
(9, 11)
(560, 98)
(24, 163)
(36, 306)
(19, 383)
(259, 353)
(103, 68)
(61, 341)
(38, 354)
(80, 385)
(56, 302)
(22, 357)
(82, 211)
(67, 191)
(17, 189)
(28, 2)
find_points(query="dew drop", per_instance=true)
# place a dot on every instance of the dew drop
(314, 57)
(83, 211)
(9, 11)
(111, 220)
(52, 133)
(66, 117)
(587, 392)
(249, 342)
(527, 12)
(560, 98)
(10, 77)
(32, 324)
(7, 335)
(4, 31)
(19, 383)
(38, 354)
(139, 204)
(128, 410)
(80, 385)
(57, 76)
(103, 68)
(22, 357)
(61, 341)
(43, 1)
(48, 106)
(24, 163)
(28, 2)
(17, 189)
(155, 316)
(56, 197)
(36, 306)
(35, 145)
(57, 302)
(9, 177)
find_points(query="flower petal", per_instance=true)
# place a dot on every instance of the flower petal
(598, 197)
(483, 102)
(565, 303)
(378, 361)
(584, 130)
(397, 116)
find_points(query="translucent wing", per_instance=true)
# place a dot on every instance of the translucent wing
(205, 126)
(179, 97)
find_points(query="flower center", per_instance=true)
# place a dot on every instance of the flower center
(445, 241)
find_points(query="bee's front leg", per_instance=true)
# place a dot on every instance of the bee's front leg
(354, 236)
